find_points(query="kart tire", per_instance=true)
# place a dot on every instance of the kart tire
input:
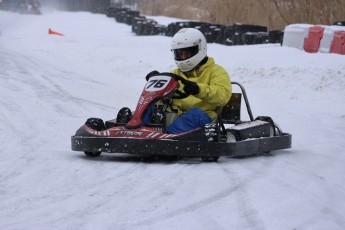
(95, 123)
(92, 154)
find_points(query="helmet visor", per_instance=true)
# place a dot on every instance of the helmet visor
(185, 53)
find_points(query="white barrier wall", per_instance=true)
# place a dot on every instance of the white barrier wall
(327, 39)
(295, 34)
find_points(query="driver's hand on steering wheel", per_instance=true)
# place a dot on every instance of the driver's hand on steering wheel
(191, 88)
(151, 74)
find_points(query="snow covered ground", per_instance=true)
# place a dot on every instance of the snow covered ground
(49, 85)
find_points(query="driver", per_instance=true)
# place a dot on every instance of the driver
(208, 84)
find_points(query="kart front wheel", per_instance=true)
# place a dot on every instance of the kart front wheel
(92, 154)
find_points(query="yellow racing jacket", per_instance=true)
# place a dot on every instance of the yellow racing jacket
(215, 89)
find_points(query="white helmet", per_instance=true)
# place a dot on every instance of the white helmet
(189, 47)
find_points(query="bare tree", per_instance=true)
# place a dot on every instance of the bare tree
(275, 14)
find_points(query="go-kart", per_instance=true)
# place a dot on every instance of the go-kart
(228, 136)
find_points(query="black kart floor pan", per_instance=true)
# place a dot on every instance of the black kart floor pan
(180, 148)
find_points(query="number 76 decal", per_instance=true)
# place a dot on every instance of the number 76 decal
(157, 83)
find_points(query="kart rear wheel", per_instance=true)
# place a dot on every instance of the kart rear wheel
(209, 159)
(92, 154)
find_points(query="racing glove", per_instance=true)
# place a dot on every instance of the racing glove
(191, 88)
(151, 74)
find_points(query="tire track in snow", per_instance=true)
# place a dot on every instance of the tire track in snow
(13, 114)
(30, 84)
(237, 188)
(248, 212)
(42, 80)
(29, 79)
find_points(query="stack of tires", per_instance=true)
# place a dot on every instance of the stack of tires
(172, 28)
(275, 36)
(213, 32)
(145, 26)
(249, 34)
(140, 24)
(339, 23)
(236, 34)
(125, 15)
(112, 11)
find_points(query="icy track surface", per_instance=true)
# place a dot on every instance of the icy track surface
(49, 86)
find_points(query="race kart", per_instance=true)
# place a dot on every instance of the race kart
(228, 136)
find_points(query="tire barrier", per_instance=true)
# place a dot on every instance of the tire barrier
(145, 26)
(340, 23)
(236, 34)
(140, 24)
(249, 34)
(313, 39)
(123, 15)
(172, 28)
(252, 38)
(275, 36)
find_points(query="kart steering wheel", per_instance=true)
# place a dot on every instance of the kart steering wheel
(178, 94)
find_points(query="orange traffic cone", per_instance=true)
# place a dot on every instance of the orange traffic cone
(54, 33)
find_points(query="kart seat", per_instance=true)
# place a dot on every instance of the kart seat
(231, 112)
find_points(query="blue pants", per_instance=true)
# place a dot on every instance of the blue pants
(192, 119)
